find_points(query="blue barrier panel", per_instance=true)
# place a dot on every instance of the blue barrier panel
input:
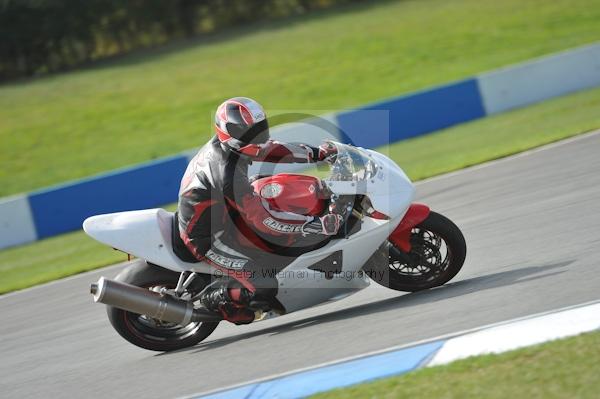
(414, 114)
(62, 209)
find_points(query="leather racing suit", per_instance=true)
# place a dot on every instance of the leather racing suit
(223, 222)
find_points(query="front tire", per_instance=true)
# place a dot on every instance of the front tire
(153, 334)
(437, 255)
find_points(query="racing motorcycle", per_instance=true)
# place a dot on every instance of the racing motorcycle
(155, 303)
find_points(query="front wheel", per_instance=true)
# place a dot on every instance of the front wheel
(437, 254)
(153, 334)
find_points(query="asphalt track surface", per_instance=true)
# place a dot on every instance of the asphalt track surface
(532, 225)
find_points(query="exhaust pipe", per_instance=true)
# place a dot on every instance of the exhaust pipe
(150, 303)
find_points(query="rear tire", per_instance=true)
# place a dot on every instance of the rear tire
(437, 255)
(149, 333)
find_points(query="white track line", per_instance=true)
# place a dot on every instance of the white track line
(520, 334)
(468, 169)
(398, 347)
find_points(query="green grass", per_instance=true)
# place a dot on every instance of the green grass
(421, 157)
(53, 258)
(157, 103)
(567, 368)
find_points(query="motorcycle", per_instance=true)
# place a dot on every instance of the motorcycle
(154, 302)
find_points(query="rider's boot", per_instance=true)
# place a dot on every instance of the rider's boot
(231, 302)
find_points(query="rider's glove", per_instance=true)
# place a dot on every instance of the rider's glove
(327, 225)
(330, 223)
(327, 152)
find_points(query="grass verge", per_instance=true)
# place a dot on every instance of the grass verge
(157, 103)
(567, 368)
(421, 157)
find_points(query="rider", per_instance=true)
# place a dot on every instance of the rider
(216, 199)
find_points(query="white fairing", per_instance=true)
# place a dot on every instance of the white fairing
(391, 193)
(355, 252)
(393, 188)
(390, 190)
(147, 235)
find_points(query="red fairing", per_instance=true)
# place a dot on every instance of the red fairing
(288, 192)
(400, 237)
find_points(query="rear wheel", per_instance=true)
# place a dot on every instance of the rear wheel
(437, 254)
(153, 334)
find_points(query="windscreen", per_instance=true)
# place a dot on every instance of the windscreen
(352, 164)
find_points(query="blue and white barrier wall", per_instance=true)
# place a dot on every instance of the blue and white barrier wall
(55, 210)
(16, 221)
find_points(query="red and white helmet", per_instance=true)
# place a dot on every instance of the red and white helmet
(241, 124)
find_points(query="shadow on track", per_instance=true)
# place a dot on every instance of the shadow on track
(459, 288)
